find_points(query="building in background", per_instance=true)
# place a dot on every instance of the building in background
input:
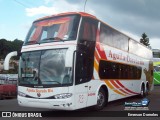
(156, 53)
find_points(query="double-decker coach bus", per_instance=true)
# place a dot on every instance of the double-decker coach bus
(156, 72)
(73, 60)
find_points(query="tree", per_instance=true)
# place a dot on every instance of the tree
(9, 46)
(145, 40)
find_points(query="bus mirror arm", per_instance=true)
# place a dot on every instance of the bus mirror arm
(7, 59)
(19, 53)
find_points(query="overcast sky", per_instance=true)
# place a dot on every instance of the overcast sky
(132, 17)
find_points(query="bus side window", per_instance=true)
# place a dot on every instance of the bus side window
(113, 70)
(88, 30)
(86, 47)
(119, 71)
(112, 37)
(139, 72)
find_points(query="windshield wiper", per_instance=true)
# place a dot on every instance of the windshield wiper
(53, 81)
(54, 39)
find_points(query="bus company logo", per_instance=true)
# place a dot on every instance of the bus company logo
(125, 58)
(39, 94)
(31, 90)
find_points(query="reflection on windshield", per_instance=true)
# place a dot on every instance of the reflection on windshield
(64, 28)
(45, 67)
(53, 66)
(29, 67)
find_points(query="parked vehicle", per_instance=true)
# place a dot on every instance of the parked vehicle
(8, 86)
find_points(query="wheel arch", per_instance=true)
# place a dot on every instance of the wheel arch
(142, 84)
(147, 85)
(103, 86)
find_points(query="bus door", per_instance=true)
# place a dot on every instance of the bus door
(85, 60)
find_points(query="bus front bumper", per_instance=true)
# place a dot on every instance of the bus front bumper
(58, 104)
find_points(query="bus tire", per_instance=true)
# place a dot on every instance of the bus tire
(142, 93)
(147, 89)
(1, 97)
(101, 100)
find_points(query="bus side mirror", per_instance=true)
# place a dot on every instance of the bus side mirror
(19, 53)
(7, 58)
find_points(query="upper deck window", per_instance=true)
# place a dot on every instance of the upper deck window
(53, 29)
(88, 29)
(111, 37)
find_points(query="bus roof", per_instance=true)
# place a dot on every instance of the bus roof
(91, 16)
(68, 13)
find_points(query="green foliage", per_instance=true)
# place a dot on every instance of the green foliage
(157, 78)
(145, 40)
(9, 46)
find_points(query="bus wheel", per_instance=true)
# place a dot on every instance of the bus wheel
(101, 99)
(147, 89)
(1, 97)
(142, 94)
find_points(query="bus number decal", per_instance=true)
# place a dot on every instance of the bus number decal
(81, 98)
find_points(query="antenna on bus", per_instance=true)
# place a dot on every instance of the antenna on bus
(85, 5)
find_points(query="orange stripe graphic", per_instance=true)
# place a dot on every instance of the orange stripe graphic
(125, 87)
(96, 65)
(96, 56)
(111, 87)
(101, 51)
(121, 89)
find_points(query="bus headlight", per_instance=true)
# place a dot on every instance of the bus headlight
(21, 94)
(63, 96)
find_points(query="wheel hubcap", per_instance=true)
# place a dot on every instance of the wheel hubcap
(100, 100)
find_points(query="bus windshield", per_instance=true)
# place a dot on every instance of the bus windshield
(53, 29)
(46, 67)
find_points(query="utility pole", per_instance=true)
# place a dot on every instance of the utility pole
(85, 5)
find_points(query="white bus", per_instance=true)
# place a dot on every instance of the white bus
(73, 60)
